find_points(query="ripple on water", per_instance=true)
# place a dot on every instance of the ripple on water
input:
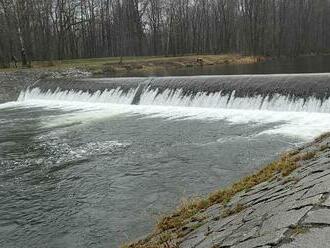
(54, 154)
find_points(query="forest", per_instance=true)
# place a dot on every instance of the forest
(67, 29)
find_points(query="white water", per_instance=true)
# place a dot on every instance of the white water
(176, 98)
(217, 100)
(291, 116)
(297, 124)
(110, 96)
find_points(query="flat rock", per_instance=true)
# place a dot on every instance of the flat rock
(271, 210)
(283, 219)
(318, 189)
(262, 209)
(213, 211)
(247, 231)
(251, 198)
(297, 195)
(326, 203)
(311, 201)
(315, 238)
(212, 239)
(193, 240)
(320, 216)
(272, 238)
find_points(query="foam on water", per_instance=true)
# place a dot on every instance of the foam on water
(299, 124)
(94, 167)
(148, 95)
(8, 105)
(218, 100)
(109, 96)
(305, 117)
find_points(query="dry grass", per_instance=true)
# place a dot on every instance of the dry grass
(186, 209)
(298, 230)
(324, 147)
(307, 156)
(190, 207)
(144, 64)
(322, 137)
(156, 64)
(231, 211)
(172, 225)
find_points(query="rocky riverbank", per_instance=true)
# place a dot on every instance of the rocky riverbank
(285, 205)
(289, 209)
(12, 82)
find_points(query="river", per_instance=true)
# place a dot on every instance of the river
(89, 169)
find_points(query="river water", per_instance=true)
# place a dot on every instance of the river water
(78, 169)
(97, 175)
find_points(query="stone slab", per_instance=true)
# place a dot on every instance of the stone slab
(272, 238)
(320, 216)
(283, 219)
(326, 203)
(315, 238)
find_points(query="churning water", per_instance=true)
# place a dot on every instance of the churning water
(92, 163)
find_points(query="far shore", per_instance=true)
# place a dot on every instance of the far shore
(141, 64)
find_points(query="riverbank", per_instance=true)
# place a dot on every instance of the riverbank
(143, 64)
(12, 82)
(285, 205)
(223, 220)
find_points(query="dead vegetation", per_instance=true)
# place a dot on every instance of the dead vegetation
(146, 64)
(322, 137)
(173, 225)
(156, 64)
(231, 211)
(298, 230)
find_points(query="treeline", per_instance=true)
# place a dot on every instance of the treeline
(60, 29)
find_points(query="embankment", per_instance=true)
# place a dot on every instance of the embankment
(145, 65)
(152, 65)
(13, 82)
(284, 205)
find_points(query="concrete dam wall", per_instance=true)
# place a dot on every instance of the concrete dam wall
(286, 92)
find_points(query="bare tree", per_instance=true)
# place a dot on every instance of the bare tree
(48, 29)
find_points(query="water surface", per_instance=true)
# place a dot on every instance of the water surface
(78, 176)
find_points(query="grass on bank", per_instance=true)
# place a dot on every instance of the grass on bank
(284, 166)
(112, 65)
(172, 227)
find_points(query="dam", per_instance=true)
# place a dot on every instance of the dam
(93, 162)
(290, 92)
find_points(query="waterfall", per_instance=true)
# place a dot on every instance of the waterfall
(287, 92)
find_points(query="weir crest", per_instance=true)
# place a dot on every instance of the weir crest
(282, 92)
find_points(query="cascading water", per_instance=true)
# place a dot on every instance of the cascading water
(291, 92)
(88, 162)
